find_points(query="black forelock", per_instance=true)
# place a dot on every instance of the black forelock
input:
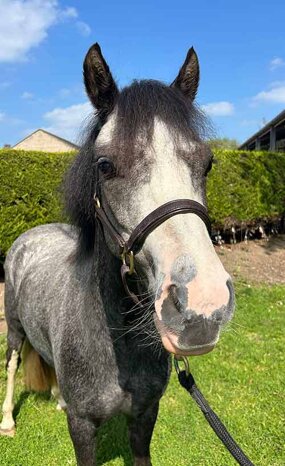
(142, 101)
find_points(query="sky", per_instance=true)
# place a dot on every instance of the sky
(240, 45)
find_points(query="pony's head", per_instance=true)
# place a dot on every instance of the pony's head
(147, 143)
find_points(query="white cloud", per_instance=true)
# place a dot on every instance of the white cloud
(27, 95)
(276, 62)
(274, 95)
(246, 122)
(24, 24)
(222, 108)
(67, 122)
(277, 84)
(64, 92)
(10, 120)
(4, 85)
(83, 28)
(68, 12)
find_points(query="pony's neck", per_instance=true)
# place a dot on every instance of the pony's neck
(107, 273)
(129, 324)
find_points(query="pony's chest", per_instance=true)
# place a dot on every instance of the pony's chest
(135, 396)
(112, 400)
(145, 381)
(136, 384)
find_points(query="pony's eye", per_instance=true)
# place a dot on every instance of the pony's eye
(106, 167)
(209, 167)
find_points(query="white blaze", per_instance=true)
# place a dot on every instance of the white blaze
(170, 178)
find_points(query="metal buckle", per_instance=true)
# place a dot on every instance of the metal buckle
(131, 262)
(185, 361)
(97, 201)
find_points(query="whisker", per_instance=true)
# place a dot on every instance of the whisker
(136, 307)
(140, 322)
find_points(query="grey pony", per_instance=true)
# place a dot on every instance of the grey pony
(64, 293)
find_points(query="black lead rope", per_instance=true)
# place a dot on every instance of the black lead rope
(187, 381)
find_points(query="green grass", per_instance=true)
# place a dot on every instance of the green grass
(243, 379)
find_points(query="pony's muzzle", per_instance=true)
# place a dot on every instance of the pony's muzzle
(188, 332)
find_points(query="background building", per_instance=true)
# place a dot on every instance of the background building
(41, 140)
(270, 137)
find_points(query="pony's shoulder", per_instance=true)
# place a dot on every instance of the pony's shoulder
(44, 239)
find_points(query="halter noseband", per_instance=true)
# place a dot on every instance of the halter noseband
(133, 245)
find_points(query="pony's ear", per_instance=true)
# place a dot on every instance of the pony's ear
(187, 80)
(99, 83)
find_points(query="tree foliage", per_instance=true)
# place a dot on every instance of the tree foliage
(223, 143)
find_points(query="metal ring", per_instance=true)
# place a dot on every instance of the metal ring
(131, 260)
(185, 361)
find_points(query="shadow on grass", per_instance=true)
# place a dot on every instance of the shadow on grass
(45, 396)
(112, 437)
(113, 442)
(23, 397)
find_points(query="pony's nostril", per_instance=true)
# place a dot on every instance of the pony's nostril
(173, 294)
(178, 295)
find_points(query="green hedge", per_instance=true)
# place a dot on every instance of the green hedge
(29, 191)
(242, 187)
(246, 186)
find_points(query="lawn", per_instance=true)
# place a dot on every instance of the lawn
(243, 379)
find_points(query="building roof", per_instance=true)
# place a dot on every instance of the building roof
(276, 121)
(49, 134)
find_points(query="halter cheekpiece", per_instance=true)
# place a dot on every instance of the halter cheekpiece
(133, 245)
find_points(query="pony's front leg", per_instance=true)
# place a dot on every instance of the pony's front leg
(83, 433)
(7, 426)
(141, 429)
